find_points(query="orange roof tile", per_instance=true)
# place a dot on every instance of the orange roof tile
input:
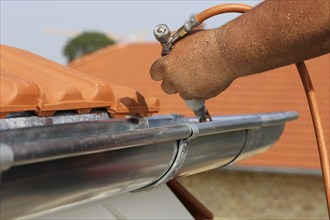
(32, 83)
(276, 90)
(22, 96)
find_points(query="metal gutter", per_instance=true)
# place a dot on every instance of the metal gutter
(66, 164)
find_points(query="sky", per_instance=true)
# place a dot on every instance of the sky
(44, 27)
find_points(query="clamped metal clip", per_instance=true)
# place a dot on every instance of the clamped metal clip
(180, 157)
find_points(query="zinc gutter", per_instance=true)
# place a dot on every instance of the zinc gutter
(119, 155)
(75, 141)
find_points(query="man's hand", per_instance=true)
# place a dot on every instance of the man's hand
(271, 35)
(195, 68)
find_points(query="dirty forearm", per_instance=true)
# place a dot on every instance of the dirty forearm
(275, 33)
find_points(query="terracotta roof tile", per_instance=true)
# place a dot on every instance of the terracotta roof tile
(130, 102)
(276, 90)
(30, 82)
(23, 96)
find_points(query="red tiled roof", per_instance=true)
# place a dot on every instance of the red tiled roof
(276, 90)
(32, 83)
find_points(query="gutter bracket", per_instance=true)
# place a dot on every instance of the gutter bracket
(180, 157)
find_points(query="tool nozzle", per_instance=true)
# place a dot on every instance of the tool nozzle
(199, 109)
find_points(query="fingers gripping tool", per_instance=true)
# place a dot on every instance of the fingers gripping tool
(163, 34)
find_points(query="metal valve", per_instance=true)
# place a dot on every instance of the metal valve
(163, 34)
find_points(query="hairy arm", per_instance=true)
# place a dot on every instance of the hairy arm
(273, 34)
(276, 33)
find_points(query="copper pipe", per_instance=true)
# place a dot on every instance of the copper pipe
(219, 9)
(320, 137)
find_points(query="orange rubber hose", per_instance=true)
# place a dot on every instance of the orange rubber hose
(219, 9)
(309, 90)
(319, 133)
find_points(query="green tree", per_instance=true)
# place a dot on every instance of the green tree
(86, 43)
